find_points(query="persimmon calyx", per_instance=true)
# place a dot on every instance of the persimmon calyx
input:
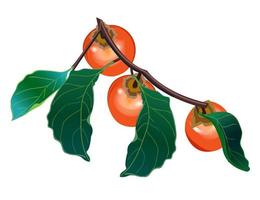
(101, 40)
(197, 119)
(132, 90)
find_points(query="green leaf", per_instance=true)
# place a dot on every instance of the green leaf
(34, 89)
(69, 116)
(230, 134)
(155, 135)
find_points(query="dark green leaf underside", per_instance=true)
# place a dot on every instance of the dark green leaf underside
(230, 134)
(69, 116)
(34, 89)
(155, 136)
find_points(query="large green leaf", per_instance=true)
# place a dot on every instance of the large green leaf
(155, 135)
(34, 89)
(230, 134)
(69, 116)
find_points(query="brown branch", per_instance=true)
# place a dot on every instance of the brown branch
(73, 67)
(144, 72)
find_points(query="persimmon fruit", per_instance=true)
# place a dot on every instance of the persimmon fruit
(200, 132)
(125, 100)
(100, 53)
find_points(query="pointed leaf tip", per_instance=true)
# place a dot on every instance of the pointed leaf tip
(70, 112)
(230, 134)
(155, 136)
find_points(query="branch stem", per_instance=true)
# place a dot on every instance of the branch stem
(144, 72)
(73, 67)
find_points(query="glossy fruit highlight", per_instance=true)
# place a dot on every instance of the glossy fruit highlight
(125, 100)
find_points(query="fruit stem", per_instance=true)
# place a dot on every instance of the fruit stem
(138, 78)
(144, 72)
(131, 71)
(110, 63)
(73, 67)
(204, 110)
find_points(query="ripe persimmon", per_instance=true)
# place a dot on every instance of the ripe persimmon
(100, 53)
(200, 131)
(125, 100)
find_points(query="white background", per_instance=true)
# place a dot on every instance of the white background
(203, 49)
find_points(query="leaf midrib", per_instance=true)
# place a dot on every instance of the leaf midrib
(230, 152)
(146, 130)
(39, 96)
(80, 110)
(40, 87)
